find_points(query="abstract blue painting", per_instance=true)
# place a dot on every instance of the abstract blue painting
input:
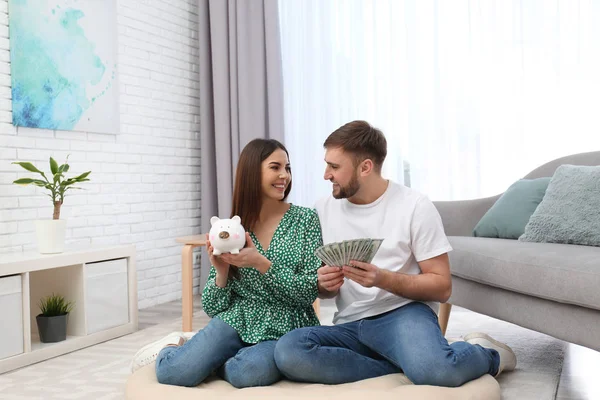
(63, 64)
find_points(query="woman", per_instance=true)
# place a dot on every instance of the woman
(256, 296)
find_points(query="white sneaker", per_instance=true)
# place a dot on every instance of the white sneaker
(147, 354)
(187, 335)
(454, 340)
(508, 359)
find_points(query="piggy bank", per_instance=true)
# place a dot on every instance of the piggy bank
(227, 235)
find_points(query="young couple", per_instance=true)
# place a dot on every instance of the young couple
(263, 326)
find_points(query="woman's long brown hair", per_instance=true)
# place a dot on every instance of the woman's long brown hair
(247, 190)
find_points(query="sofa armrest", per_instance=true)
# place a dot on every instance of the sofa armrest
(460, 217)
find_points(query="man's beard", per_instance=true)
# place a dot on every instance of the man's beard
(349, 190)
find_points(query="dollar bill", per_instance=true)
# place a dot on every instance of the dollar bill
(342, 253)
(375, 245)
(338, 253)
(325, 256)
(347, 244)
(363, 249)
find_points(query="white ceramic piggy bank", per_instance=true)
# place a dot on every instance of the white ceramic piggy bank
(227, 235)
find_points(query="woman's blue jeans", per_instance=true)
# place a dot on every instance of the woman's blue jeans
(218, 348)
(408, 340)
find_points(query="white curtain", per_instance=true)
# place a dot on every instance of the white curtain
(471, 95)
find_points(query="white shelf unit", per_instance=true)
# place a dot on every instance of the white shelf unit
(101, 281)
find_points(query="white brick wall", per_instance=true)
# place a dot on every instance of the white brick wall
(145, 182)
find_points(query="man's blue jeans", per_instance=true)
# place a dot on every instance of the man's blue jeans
(407, 339)
(218, 348)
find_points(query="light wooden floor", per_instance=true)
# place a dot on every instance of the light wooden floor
(580, 377)
(580, 374)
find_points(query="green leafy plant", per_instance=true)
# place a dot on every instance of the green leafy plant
(58, 185)
(54, 305)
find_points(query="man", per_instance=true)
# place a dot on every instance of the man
(386, 318)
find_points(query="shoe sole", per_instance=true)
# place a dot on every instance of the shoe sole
(140, 351)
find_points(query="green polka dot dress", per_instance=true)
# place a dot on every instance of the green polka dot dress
(265, 307)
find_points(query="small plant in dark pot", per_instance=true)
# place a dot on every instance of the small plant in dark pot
(52, 322)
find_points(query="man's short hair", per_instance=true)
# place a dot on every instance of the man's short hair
(361, 140)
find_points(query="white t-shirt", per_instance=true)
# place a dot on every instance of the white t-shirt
(412, 231)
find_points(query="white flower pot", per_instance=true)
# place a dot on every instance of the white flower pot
(51, 235)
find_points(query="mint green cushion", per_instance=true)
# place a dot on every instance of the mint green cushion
(508, 217)
(570, 211)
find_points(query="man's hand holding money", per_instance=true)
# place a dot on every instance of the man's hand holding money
(365, 274)
(330, 280)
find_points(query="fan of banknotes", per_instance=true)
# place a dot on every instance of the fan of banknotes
(339, 254)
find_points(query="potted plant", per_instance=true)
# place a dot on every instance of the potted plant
(51, 233)
(52, 322)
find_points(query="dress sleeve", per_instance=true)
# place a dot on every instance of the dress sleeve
(299, 287)
(215, 299)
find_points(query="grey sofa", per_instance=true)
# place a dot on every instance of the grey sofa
(549, 288)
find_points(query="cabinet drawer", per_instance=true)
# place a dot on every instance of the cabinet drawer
(106, 295)
(11, 306)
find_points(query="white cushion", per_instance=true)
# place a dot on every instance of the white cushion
(142, 385)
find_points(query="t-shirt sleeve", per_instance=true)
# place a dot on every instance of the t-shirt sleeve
(428, 238)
